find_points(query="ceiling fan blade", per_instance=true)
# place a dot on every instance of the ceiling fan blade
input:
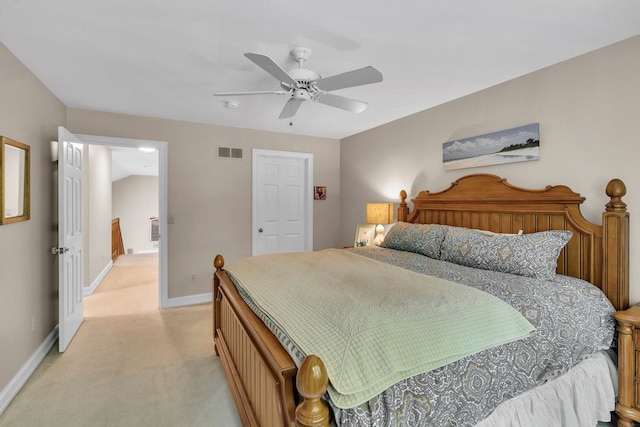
(290, 108)
(259, 92)
(269, 65)
(342, 102)
(361, 76)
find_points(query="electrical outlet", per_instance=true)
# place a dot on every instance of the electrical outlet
(193, 277)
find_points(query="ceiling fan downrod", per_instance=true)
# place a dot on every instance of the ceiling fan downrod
(300, 54)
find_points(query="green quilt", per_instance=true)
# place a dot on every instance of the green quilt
(371, 323)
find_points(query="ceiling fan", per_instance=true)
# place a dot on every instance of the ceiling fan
(302, 84)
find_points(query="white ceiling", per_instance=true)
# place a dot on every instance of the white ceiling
(165, 58)
(127, 161)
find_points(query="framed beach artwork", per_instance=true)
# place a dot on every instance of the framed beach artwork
(519, 144)
(365, 233)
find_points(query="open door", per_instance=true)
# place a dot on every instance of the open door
(69, 250)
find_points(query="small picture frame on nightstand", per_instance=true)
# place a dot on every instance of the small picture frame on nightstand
(365, 233)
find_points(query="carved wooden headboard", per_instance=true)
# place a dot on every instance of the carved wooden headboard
(596, 253)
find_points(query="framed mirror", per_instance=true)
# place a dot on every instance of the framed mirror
(14, 181)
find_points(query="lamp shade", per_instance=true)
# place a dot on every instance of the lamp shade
(379, 213)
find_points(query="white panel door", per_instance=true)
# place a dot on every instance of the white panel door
(282, 215)
(71, 309)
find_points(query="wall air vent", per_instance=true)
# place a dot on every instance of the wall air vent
(154, 229)
(230, 153)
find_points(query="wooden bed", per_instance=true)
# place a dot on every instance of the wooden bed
(266, 385)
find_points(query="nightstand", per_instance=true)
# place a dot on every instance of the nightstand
(628, 406)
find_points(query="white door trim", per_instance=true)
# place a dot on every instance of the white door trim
(163, 246)
(308, 214)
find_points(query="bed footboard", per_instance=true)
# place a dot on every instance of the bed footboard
(259, 371)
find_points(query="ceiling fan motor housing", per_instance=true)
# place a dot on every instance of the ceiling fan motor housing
(303, 76)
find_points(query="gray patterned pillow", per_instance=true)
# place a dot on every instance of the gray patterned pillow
(533, 255)
(422, 239)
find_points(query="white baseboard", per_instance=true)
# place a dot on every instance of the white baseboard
(19, 380)
(188, 300)
(88, 290)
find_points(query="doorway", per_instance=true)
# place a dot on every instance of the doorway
(162, 148)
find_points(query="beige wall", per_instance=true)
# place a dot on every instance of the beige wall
(96, 205)
(29, 113)
(135, 200)
(209, 198)
(588, 111)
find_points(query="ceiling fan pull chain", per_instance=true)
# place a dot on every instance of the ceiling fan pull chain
(291, 115)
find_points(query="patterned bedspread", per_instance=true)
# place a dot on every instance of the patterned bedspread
(371, 329)
(573, 320)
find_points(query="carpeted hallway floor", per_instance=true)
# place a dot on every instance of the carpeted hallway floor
(130, 364)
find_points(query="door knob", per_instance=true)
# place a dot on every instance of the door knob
(260, 230)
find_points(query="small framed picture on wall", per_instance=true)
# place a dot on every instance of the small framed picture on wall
(320, 193)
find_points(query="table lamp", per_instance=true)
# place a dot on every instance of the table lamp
(379, 213)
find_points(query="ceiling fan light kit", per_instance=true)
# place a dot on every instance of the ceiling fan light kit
(302, 84)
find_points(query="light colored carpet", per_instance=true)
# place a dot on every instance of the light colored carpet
(130, 364)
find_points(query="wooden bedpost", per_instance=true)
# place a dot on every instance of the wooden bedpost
(615, 284)
(218, 263)
(615, 225)
(625, 407)
(312, 382)
(403, 210)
